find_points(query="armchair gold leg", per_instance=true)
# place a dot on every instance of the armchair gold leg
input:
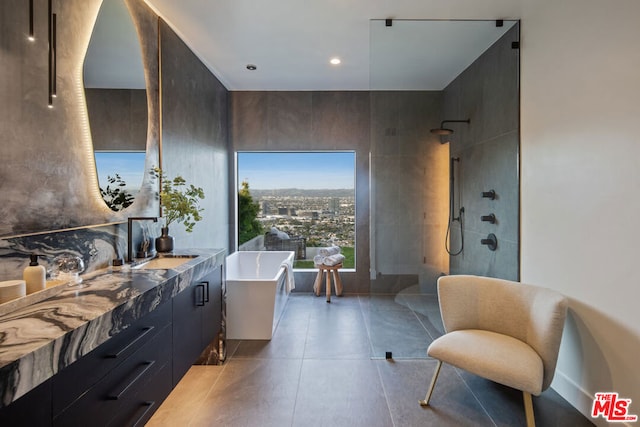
(528, 409)
(425, 402)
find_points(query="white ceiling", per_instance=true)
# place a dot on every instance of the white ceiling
(426, 55)
(291, 42)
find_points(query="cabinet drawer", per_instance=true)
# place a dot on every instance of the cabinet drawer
(32, 409)
(70, 383)
(106, 399)
(137, 410)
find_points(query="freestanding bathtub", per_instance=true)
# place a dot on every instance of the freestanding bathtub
(256, 292)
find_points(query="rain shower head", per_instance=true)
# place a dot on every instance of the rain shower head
(445, 131)
(442, 131)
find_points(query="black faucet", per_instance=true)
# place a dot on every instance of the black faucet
(129, 232)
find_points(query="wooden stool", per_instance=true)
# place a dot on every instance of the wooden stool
(329, 269)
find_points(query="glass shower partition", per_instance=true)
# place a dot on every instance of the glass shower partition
(419, 74)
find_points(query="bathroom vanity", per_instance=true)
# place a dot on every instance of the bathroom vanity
(109, 351)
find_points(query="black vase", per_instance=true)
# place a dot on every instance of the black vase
(164, 243)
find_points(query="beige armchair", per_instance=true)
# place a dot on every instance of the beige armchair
(507, 332)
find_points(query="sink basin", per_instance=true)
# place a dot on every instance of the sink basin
(165, 262)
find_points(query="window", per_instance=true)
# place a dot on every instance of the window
(300, 201)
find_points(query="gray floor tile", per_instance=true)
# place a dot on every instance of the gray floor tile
(421, 303)
(283, 345)
(506, 408)
(375, 303)
(317, 370)
(341, 393)
(347, 301)
(401, 333)
(339, 320)
(252, 392)
(452, 403)
(504, 404)
(295, 319)
(331, 345)
(432, 322)
(552, 410)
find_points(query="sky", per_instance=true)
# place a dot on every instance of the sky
(308, 170)
(263, 171)
(129, 165)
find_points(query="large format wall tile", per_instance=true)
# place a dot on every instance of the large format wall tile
(488, 149)
(195, 138)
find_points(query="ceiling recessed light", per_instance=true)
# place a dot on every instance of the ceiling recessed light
(335, 61)
(251, 67)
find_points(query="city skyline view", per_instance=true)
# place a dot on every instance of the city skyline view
(302, 170)
(308, 195)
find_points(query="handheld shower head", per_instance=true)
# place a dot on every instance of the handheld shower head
(445, 131)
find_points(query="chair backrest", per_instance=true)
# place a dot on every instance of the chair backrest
(532, 314)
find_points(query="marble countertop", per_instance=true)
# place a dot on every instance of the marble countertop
(41, 339)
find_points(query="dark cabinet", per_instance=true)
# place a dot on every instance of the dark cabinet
(140, 357)
(212, 310)
(187, 329)
(123, 381)
(124, 390)
(73, 381)
(32, 409)
(197, 313)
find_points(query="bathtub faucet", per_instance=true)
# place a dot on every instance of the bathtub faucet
(129, 232)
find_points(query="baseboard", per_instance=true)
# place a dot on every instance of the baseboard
(579, 398)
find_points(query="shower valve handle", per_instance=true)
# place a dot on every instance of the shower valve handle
(489, 218)
(491, 241)
(491, 194)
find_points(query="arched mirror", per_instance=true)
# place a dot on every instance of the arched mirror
(115, 91)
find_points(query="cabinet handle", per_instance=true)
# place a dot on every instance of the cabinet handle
(206, 291)
(144, 332)
(147, 407)
(201, 302)
(141, 370)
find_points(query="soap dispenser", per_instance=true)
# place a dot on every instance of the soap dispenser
(34, 275)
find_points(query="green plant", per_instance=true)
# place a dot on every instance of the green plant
(179, 202)
(116, 197)
(248, 224)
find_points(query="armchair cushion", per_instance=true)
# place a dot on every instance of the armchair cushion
(491, 355)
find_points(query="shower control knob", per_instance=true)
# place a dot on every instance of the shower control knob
(489, 218)
(491, 241)
(491, 194)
